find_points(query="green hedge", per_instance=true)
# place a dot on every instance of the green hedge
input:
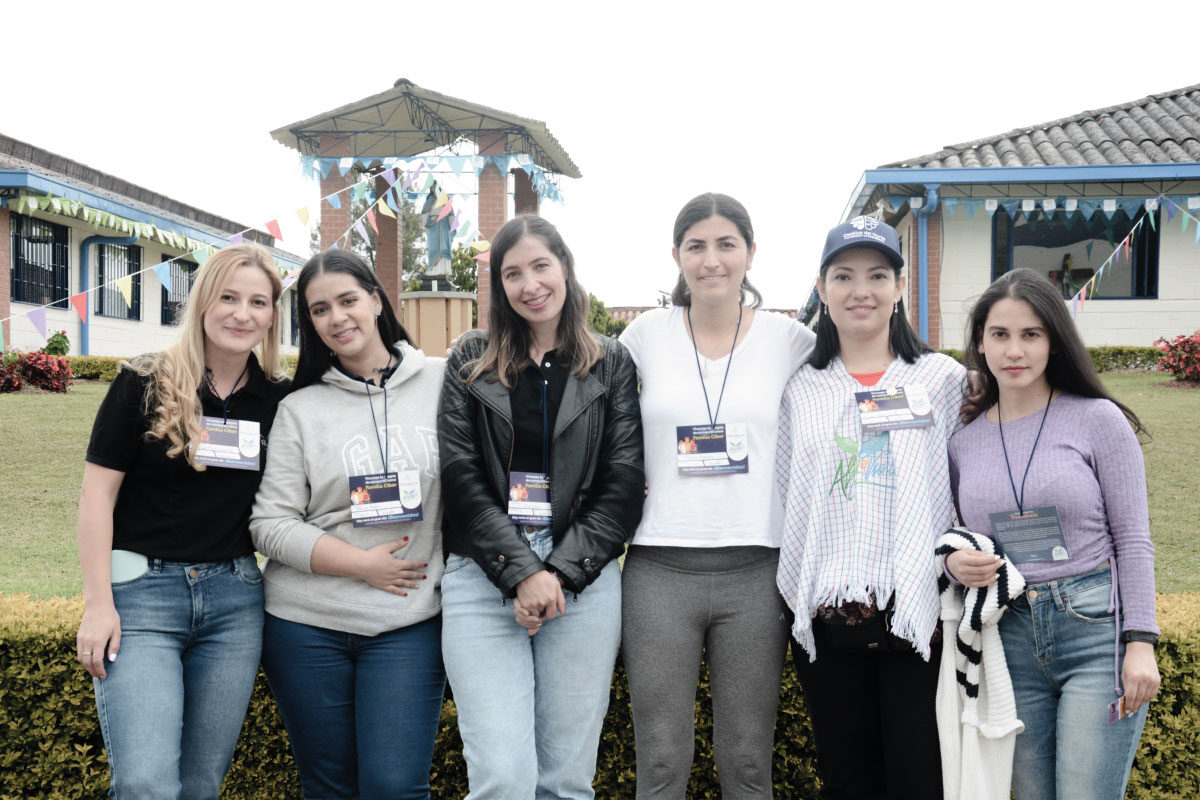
(1105, 358)
(94, 368)
(50, 745)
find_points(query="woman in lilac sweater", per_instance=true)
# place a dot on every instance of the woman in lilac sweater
(1053, 472)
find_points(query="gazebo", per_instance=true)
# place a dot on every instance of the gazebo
(408, 121)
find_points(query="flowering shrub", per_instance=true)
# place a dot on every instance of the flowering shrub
(1181, 356)
(10, 380)
(38, 369)
(58, 344)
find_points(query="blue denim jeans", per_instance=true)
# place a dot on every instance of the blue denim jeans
(530, 709)
(173, 703)
(1059, 643)
(361, 711)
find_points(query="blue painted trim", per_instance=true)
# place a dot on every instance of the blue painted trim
(1087, 173)
(85, 249)
(923, 213)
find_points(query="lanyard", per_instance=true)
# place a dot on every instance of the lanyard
(1020, 498)
(383, 442)
(212, 387)
(712, 418)
(544, 405)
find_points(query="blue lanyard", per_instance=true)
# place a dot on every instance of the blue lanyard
(712, 418)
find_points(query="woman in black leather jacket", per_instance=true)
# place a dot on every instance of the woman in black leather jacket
(541, 457)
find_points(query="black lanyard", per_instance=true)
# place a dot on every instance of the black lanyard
(999, 421)
(712, 418)
(212, 387)
(383, 442)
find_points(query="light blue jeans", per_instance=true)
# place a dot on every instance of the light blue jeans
(530, 709)
(1059, 641)
(173, 703)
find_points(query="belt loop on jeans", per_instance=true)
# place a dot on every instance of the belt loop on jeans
(1056, 593)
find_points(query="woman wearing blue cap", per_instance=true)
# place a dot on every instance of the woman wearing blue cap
(862, 467)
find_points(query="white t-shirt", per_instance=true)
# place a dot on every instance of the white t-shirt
(706, 510)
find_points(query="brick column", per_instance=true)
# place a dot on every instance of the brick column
(334, 221)
(525, 199)
(934, 265)
(389, 254)
(5, 275)
(493, 211)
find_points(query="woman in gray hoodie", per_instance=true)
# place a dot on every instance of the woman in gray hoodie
(348, 515)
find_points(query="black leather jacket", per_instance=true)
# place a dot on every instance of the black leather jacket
(596, 463)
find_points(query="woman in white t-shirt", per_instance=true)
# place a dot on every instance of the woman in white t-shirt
(700, 573)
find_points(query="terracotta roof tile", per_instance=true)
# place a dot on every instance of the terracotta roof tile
(1160, 128)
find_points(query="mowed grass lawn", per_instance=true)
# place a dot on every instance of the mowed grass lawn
(43, 438)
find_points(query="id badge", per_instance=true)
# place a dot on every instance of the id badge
(529, 498)
(1117, 711)
(894, 408)
(1034, 537)
(229, 443)
(712, 449)
(386, 498)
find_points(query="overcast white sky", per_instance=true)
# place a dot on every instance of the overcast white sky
(782, 105)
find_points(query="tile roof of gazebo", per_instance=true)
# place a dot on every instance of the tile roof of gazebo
(408, 120)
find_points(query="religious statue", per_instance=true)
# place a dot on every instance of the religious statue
(438, 239)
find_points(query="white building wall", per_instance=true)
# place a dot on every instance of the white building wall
(967, 269)
(109, 336)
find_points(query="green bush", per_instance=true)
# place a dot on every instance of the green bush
(95, 368)
(50, 745)
(1108, 357)
(1124, 357)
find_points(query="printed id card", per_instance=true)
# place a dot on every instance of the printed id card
(1117, 711)
(529, 498)
(386, 498)
(1033, 537)
(229, 443)
(719, 449)
(894, 408)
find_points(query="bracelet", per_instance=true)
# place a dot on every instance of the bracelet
(1140, 636)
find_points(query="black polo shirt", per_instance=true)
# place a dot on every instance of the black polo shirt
(165, 508)
(535, 401)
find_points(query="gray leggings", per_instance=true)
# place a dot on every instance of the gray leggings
(676, 602)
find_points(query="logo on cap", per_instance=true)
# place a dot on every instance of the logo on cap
(865, 223)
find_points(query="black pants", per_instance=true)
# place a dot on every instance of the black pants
(874, 721)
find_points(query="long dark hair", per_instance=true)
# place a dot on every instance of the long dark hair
(903, 340)
(315, 357)
(508, 336)
(698, 209)
(1069, 368)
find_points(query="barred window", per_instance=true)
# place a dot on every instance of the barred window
(183, 274)
(118, 261)
(39, 271)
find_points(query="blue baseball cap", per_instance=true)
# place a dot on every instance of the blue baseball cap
(863, 232)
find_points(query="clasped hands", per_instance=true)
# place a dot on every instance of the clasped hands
(538, 598)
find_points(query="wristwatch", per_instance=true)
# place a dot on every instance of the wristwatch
(1140, 636)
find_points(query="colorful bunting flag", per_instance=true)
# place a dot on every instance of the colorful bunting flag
(38, 317)
(446, 209)
(383, 207)
(358, 226)
(302, 214)
(371, 220)
(273, 229)
(390, 197)
(345, 164)
(163, 271)
(334, 200)
(201, 255)
(79, 303)
(125, 285)
(390, 176)
(236, 238)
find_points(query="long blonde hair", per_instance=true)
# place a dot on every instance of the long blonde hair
(172, 400)
(508, 336)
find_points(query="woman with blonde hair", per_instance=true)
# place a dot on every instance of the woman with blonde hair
(169, 574)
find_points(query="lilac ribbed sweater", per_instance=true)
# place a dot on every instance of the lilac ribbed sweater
(1089, 464)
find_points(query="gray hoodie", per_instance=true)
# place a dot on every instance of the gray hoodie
(322, 435)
